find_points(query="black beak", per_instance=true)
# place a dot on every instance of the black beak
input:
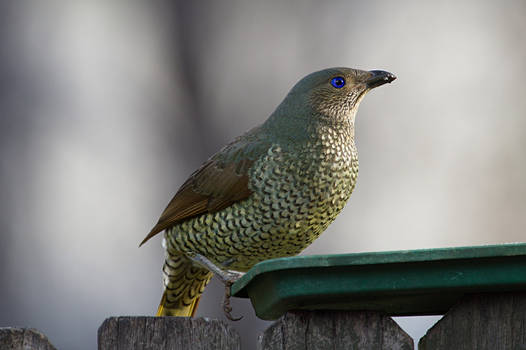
(378, 78)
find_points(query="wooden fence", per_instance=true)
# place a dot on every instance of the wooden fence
(479, 321)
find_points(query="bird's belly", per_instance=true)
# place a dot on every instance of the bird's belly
(286, 212)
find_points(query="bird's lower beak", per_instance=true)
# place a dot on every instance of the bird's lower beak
(378, 78)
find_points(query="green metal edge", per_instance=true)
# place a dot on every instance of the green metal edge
(387, 257)
(397, 282)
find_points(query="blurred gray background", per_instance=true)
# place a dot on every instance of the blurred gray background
(107, 106)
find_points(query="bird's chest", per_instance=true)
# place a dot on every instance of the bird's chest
(309, 185)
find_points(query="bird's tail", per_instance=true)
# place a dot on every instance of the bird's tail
(183, 285)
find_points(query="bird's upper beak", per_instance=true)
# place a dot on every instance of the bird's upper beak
(378, 78)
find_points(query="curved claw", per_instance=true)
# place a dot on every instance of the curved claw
(227, 308)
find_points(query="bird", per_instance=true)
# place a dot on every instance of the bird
(267, 194)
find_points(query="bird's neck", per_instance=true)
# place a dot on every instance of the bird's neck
(298, 131)
(322, 126)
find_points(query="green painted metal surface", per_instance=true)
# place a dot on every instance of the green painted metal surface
(400, 283)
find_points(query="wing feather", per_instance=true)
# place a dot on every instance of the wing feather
(217, 184)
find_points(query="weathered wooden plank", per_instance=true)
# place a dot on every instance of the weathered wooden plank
(479, 322)
(335, 330)
(163, 333)
(23, 339)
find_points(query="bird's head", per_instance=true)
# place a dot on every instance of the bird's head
(331, 94)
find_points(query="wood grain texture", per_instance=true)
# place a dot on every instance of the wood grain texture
(163, 333)
(335, 330)
(23, 339)
(479, 322)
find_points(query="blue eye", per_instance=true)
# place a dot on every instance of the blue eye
(338, 82)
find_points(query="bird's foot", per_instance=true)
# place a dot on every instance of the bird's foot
(227, 308)
(224, 276)
(227, 278)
